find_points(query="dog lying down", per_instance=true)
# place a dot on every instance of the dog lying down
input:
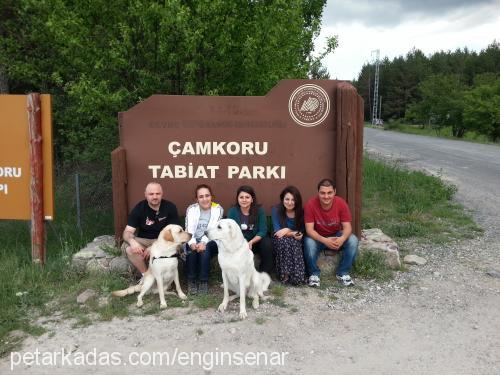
(163, 263)
(236, 263)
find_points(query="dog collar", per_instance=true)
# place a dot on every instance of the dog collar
(172, 256)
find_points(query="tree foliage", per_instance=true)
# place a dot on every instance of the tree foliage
(441, 104)
(482, 109)
(435, 89)
(101, 57)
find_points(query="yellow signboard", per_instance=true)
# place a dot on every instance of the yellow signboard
(15, 161)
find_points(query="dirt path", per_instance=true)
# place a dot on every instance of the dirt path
(441, 318)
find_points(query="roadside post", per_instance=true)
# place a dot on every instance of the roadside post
(26, 164)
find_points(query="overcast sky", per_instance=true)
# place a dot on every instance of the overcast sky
(396, 26)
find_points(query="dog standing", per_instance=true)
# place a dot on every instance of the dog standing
(163, 263)
(238, 269)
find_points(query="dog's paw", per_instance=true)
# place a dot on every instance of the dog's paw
(163, 306)
(243, 315)
(139, 303)
(182, 296)
(222, 307)
(255, 303)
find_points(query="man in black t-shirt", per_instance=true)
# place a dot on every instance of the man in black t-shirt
(146, 220)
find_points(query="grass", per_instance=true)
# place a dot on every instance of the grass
(403, 204)
(206, 301)
(371, 265)
(260, 320)
(445, 132)
(36, 291)
(409, 204)
(278, 301)
(278, 290)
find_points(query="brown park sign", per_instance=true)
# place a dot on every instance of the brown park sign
(299, 133)
(15, 158)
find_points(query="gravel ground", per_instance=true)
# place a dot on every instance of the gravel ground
(442, 317)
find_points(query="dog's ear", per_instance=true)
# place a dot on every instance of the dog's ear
(167, 236)
(232, 233)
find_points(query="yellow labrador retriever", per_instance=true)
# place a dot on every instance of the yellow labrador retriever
(163, 263)
(236, 262)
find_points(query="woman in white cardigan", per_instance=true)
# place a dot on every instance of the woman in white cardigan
(199, 216)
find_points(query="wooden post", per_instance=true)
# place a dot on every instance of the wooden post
(36, 179)
(119, 176)
(359, 163)
(349, 150)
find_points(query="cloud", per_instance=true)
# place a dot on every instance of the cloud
(474, 30)
(389, 13)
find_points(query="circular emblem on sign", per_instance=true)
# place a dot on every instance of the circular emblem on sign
(309, 105)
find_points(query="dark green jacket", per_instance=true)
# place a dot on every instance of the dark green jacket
(260, 227)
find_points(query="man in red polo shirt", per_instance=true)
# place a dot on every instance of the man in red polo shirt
(328, 226)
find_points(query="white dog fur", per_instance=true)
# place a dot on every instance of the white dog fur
(236, 262)
(162, 266)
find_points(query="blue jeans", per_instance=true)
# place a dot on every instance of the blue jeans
(312, 248)
(198, 264)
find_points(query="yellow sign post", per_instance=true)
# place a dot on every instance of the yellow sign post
(17, 198)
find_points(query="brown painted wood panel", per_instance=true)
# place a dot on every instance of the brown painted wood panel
(308, 152)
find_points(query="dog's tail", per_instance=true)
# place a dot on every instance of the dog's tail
(265, 280)
(125, 292)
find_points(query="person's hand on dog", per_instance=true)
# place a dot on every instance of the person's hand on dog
(146, 253)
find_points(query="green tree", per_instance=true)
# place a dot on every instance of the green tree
(101, 57)
(317, 70)
(364, 85)
(482, 109)
(488, 61)
(442, 103)
(400, 77)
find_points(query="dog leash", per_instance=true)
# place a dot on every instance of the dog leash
(162, 257)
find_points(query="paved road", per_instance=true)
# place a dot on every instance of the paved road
(474, 168)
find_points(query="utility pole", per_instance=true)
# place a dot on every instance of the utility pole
(369, 89)
(375, 88)
(380, 110)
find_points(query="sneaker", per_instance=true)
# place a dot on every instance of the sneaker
(345, 280)
(192, 287)
(203, 287)
(314, 280)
